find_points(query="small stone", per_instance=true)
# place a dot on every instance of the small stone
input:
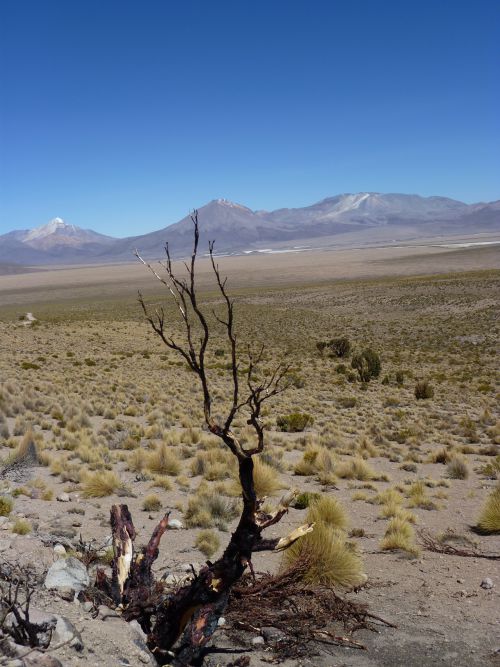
(66, 633)
(175, 524)
(67, 572)
(460, 581)
(64, 498)
(66, 593)
(41, 660)
(221, 621)
(137, 628)
(59, 550)
(258, 641)
(271, 634)
(106, 612)
(487, 583)
(87, 605)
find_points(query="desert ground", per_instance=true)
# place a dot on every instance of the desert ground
(95, 410)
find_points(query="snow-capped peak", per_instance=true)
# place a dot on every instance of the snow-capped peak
(230, 204)
(52, 227)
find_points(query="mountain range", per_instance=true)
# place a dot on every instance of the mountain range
(346, 220)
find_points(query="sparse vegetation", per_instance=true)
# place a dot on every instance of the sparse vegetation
(424, 390)
(489, 519)
(294, 422)
(207, 541)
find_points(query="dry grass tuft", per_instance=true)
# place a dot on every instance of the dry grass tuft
(457, 468)
(355, 469)
(329, 511)
(489, 519)
(399, 535)
(101, 484)
(163, 461)
(330, 559)
(207, 541)
(151, 503)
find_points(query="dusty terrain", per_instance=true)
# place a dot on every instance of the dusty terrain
(98, 393)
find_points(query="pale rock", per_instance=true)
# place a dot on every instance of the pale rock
(59, 550)
(67, 572)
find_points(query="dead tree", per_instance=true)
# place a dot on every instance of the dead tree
(180, 624)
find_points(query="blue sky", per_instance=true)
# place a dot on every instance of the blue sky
(122, 116)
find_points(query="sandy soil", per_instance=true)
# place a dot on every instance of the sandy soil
(444, 328)
(251, 271)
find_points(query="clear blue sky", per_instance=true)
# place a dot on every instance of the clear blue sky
(122, 116)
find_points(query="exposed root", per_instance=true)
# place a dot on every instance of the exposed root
(304, 614)
(432, 544)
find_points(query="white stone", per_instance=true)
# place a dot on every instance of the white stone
(59, 550)
(67, 572)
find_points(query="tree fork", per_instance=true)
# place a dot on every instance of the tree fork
(188, 617)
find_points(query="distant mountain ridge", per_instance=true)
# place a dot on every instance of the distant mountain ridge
(362, 218)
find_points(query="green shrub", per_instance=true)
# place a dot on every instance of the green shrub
(340, 347)
(294, 422)
(367, 363)
(27, 365)
(304, 499)
(423, 390)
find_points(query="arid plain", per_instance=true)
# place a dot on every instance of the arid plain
(117, 417)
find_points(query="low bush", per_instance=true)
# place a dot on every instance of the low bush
(423, 390)
(294, 422)
(367, 363)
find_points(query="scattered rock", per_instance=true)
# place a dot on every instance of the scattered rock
(258, 641)
(63, 531)
(175, 524)
(271, 634)
(67, 572)
(66, 633)
(487, 583)
(87, 605)
(59, 550)
(41, 660)
(66, 593)
(137, 628)
(106, 612)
